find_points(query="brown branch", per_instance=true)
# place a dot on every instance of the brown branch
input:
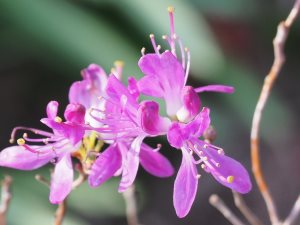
(60, 212)
(294, 214)
(244, 209)
(131, 209)
(5, 198)
(216, 202)
(279, 59)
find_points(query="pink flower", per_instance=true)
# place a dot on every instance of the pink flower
(126, 123)
(166, 77)
(57, 147)
(224, 169)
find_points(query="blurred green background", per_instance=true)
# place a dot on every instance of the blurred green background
(45, 43)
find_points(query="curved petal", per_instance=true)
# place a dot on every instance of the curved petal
(151, 122)
(61, 180)
(149, 85)
(229, 172)
(52, 109)
(133, 87)
(176, 135)
(185, 186)
(131, 164)
(216, 88)
(18, 158)
(155, 163)
(200, 123)
(87, 91)
(75, 113)
(105, 166)
(191, 105)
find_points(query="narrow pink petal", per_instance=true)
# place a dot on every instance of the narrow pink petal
(62, 179)
(155, 163)
(105, 166)
(131, 164)
(176, 135)
(18, 158)
(149, 85)
(216, 88)
(229, 172)
(185, 187)
(150, 120)
(52, 109)
(133, 87)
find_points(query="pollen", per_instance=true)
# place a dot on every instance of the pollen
(230, 179)
(171, 9)
(21, 141)
(119, 63)
(57, 119)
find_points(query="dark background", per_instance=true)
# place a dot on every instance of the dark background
(45, 43)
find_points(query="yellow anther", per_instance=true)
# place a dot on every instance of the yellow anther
(57, 119)
(230, 179)
(21, 141)
(119, 63)
(171, 9)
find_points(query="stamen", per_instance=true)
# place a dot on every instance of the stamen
(154, 44)
(182, 52)
(118, 68)
(143, 51)
(187, 64)
(198, 176)
(21, 141)
(230, 179)
(158, 147)
(36, 131)
(172, 29)
(57, 119)
(221, 152)
(25, 135)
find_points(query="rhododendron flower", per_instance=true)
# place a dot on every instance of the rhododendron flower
(57, 147)
(166, 77)
(224, 169)
(126, 123)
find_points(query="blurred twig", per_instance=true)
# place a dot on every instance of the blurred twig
(131, 209)
(60, 212)
(279, 59)
(5, 198)
(248, 214)
(294, 213)
(215, 201)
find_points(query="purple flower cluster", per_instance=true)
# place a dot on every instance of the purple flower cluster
(102, 108)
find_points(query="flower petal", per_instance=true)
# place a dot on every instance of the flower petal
(87, 91)
(18, 158)
(151, 122)
(75, 113)
(176, 135)
(168, 74)
(155, 163)
(216, 88)
(229, 173)
(62, 179)
(131, 164)
(52, 109)
(105, 166)
(200, 123)
(185, 186)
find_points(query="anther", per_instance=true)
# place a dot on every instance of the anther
(21, 141)
(143, 51)
(198, 176)
(191, 152)
(25, 135)
(171, 9)
(220, 151)
(11, 140)
(186, 49)
(230, 179)
(165, 37)
(158, 47)
(119, 63)
(204, 158)
(203, 166)
(218, 165)
(205, 146)
(57, 119)
(151, 36)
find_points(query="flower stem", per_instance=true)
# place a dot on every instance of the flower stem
(131, 208)
(5, 198)
(279, 59)
(60, 212)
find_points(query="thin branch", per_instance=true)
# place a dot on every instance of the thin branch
(60, 212)
(293, 214)
(279, 59)
(81, 177)
(5, 198)
(244, 209)
(216, 202)
(42, 180)
(131, 209)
